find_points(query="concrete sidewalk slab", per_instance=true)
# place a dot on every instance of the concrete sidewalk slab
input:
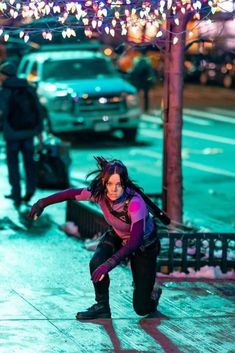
(45, 280)
(44, 322)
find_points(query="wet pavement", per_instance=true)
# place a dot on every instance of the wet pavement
(44, 281)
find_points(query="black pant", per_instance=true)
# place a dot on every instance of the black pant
(143, 267)
(146, 98)
(26, 147)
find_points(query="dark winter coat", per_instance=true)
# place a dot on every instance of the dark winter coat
(142, 75)
(9, 133)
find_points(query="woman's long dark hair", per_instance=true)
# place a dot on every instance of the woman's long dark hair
(97, 186)
(104, 172)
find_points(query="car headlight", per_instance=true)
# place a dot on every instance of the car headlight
(132, 100)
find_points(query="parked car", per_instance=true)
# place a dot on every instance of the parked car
(193, 67)
(218, 69)
(81, 90)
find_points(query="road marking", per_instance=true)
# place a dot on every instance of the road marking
(186, 163)
(156, 119)
(196, 121)
(208, 115)
(209, 169)
(221, 111)
(208, 137)
(189, 133)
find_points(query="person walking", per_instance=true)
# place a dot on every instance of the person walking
(143, 77)
(21, 117)
(132, 234)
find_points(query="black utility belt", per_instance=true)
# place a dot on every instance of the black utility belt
(149, 243)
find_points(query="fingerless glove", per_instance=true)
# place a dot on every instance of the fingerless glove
(36, 209)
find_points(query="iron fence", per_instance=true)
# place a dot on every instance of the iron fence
(180, 250)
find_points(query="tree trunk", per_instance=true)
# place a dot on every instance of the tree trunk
(172, 108)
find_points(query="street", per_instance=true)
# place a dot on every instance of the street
(208, 148)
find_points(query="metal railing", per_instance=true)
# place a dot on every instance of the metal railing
(90, 221)
(213, 254)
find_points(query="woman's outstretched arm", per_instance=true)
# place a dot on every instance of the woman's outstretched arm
(65, 195)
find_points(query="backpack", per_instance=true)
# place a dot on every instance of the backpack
(142, 67)
(24, 113)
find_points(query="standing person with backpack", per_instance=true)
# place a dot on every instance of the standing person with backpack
(21, 117)
(132, 234)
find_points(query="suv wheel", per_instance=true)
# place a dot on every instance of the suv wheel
(130, 134)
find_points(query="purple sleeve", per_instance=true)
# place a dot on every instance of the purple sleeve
(137, 211)
(134, 242)
(69, 194)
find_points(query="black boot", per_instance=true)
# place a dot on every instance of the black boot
(156, 294)
(16, 199)
(96, 311)
(28, 196)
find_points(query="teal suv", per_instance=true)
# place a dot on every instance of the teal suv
(82, 91)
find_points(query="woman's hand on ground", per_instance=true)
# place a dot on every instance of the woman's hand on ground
(36, 210)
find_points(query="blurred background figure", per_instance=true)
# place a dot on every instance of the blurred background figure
(143, 76)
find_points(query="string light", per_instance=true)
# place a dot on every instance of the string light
(26, 38)
(108, 16)
(6, 37)
(159, 34)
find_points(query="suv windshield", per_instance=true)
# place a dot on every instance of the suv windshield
(76, 69)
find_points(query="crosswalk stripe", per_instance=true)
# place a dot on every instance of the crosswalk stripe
(189, 133)
(214, 138)
(190, 115)
(186, 163)
(208, 115)
(157, 120)
(225, 112)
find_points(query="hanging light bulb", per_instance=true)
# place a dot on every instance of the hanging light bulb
(93, 23)
(56, 9)
(177, 22)
(175, 40)
(26, 38)
(105, 12)
(49, 36)
(124, 31)
(112, 32)
(117, 14)
(85, 21)
(169, 4)
(6, 37)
